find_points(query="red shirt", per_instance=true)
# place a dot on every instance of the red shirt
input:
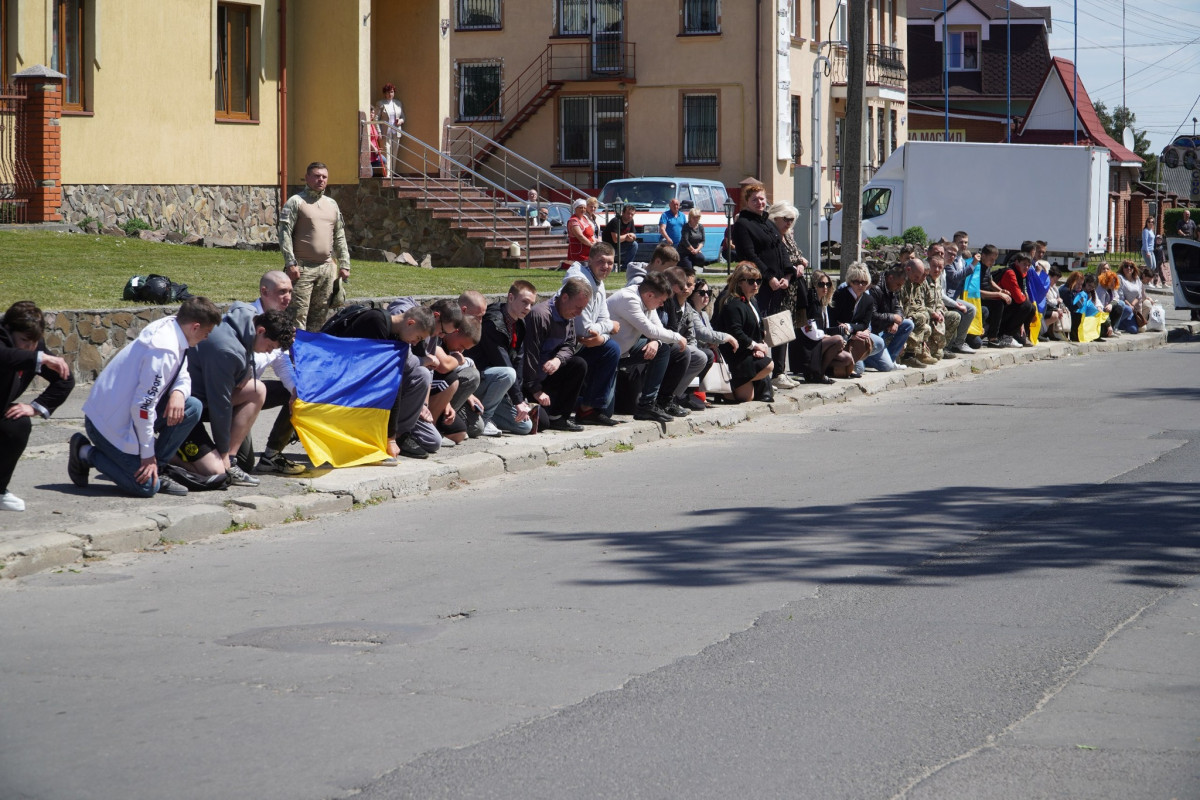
(577, 250)
(1008, 282)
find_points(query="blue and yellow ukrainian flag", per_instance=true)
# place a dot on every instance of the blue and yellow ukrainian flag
(971, 293)
(345, 389)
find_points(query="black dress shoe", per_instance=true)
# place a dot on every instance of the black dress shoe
(651, 414)
(595, 417)
(563, 423)
(763, 391)
(674, 409)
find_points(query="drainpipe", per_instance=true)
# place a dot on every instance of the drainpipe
(758, 88)
(282, 102)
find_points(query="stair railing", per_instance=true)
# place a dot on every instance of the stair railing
(414, 164)
(506, 167)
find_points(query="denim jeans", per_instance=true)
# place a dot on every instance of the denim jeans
(895, 341)
(601, 382)
(654, 375)
(122, 466)
(494, 383)
(879, 358)
(1122, 317)
(505, 417)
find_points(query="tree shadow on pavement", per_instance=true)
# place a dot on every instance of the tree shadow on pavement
(1146, 531)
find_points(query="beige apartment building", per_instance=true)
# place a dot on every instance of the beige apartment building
(198, 114)
(716, 89)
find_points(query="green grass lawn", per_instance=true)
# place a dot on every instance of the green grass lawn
(61, 271)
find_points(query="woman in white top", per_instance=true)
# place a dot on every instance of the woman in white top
(1132, 292)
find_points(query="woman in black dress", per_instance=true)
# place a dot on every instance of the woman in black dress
(757, 240)
(738, 316)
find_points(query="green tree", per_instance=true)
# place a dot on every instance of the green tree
(1114, 123)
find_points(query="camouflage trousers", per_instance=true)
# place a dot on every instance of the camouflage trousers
(927, 336)
(310, 295)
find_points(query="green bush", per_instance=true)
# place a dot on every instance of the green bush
(878, 242)
(915, 236)
(1171, 219)
(133, 225)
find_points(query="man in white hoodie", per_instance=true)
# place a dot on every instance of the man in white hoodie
(641, 335)
(141, 407)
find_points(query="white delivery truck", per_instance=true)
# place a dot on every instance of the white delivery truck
(1001, 194)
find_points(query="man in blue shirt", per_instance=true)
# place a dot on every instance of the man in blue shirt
(670, 224)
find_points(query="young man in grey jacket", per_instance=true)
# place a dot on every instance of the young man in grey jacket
(224, 380)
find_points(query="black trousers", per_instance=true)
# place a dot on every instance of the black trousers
(281, 432)
(564, 386)
(14, 436)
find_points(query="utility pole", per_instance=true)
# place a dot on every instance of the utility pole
(852, 170)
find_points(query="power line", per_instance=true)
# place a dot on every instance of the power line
(1118, 47)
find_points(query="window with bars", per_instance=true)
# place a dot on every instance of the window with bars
(575, 130)
(67, 54)
(701, 16)
(233, 61)
(477, 15)
(574, 17)
(700, 124)
(479, 91)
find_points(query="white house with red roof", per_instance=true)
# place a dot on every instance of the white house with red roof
(1062, 113)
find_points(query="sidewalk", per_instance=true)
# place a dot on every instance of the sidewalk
(65, 526)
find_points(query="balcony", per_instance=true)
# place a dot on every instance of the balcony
(886, 76)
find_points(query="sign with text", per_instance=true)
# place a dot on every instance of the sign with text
(956, 135)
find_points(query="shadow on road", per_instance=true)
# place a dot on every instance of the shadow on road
(1147, 532)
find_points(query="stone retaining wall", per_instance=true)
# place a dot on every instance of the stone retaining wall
(377, 220)
(89, 339)
(237, 213)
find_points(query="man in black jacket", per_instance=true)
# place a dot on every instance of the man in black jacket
(411, 430)
(23, 354)
(499, 357)
(888, 319)
(552, 374)
(855, 305)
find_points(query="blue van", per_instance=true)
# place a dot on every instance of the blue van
(649, 198)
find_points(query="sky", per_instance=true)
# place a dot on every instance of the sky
(1162, 58)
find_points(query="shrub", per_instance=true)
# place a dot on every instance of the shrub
(915, 236)
(878, 242)
(1171, 219)
(133, 225)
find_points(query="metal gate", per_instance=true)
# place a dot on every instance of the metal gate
(15, 176)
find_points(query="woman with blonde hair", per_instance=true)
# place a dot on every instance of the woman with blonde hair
(691, 241)
(737, 314)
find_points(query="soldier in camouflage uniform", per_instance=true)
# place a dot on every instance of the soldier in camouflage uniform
(311, 233)
(937, 265)
(929, 325)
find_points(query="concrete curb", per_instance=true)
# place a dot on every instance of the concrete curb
(25, 552)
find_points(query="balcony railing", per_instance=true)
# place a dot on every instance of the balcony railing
(885, 66)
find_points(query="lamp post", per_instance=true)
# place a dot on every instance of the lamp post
(829, 209)
(730, 210)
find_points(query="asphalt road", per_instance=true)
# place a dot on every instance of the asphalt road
(978, 589)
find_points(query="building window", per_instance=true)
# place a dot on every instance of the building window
(895, 128)
(67, 56)
(478, 15)
(233, 61)
(479, 91)
(700, 124)
(574, 17)
(881, 130)
(964, 50)
(797, 145)
(840, 24)
(816, 20)
(701, 16)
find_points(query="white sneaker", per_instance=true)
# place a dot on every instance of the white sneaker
(783, 382)
(10, 502)
(963, 348)
(1007, 341)
(490, 429)
(898, 365)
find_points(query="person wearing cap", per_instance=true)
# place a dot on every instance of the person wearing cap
(581, 233)
(621, 233)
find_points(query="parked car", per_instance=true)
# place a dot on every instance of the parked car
(559, 213)
(1184, 256)
(649, 197)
